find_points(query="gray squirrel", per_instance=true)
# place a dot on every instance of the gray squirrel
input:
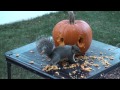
(56, 54)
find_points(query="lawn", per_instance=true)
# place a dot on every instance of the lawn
(105, 26)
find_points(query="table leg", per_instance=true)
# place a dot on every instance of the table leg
(9, 70)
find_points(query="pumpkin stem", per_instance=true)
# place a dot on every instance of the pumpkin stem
(71, 17)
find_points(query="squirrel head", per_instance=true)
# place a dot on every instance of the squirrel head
(75, 49)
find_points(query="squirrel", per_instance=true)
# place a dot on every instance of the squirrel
(56, 54)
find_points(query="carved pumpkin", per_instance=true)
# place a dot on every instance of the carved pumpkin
(70, 32)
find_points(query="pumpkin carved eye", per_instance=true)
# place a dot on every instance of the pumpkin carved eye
(81, 42)
(61, 39)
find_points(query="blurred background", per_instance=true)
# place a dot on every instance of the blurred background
(13, 16)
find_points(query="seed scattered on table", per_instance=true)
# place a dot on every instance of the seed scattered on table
(106, 66)
(49, 68)
(91, 51)
(82, 76)
(101, 53)
(96, 65)
(74, 72)
(70, 74)
(43, 59)
(99, 67)
(31, 51)
(62, 77)
(57, 73)
(101, 75)
(111, 58)
(17, 55)
(31, 62)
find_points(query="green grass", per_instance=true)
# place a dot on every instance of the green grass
(105, 26)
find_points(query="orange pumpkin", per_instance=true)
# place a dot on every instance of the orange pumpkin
(70, 32)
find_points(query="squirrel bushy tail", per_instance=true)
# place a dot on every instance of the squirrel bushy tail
(45, 45)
